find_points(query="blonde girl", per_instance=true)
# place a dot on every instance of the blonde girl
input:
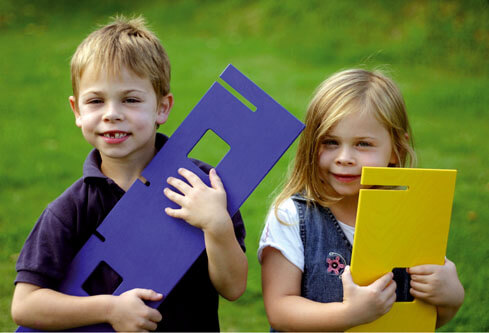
(356, 118)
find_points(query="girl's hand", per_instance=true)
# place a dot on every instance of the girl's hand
(437, 285)
(202, 206)
(129, 313)
(368, 303)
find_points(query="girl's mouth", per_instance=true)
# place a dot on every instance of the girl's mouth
(346, 178)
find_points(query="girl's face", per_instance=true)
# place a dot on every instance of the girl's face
(355, 141)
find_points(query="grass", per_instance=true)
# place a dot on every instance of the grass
(436, 51)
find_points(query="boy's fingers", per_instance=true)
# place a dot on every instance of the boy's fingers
(216, 181)
(155, 316)
(191, 177)
(179, 184)
(176, 213)
(173, 196)
(148, 294)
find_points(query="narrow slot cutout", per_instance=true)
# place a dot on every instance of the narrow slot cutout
(210, 149)
(403, 280)
(99, 235)
(390, 188)
(236, 94)
(103, 280)
(144, 181)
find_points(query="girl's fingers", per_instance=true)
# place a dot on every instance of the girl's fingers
(418, 294)
(421, 287)
(382, 282)
(421, 270)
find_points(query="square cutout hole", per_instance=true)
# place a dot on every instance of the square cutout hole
(103, 280)
(210, 149)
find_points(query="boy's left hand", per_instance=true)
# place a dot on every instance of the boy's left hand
(201, 206)
(437, 284)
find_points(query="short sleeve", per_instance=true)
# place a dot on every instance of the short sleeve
(46, 252)
(283, 235)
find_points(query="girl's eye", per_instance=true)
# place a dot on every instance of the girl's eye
(364, 144)
(330, 142)
(131, 100)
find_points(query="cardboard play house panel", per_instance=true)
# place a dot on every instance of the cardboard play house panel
(402, 222)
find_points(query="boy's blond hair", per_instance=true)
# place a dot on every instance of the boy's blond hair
(123, 43)
(344, 93)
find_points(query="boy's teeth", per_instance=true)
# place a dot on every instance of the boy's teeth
(116, 135)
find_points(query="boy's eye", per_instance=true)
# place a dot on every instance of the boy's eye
(95, 101)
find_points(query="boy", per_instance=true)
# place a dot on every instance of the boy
(121, 94)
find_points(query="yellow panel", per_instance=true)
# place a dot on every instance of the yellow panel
(401, 228)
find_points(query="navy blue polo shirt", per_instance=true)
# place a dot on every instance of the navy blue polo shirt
(68, 222)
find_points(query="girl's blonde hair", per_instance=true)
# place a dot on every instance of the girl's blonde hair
(123, 43)
(346, 92)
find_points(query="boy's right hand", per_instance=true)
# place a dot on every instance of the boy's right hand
(368, 303)
(128, 312)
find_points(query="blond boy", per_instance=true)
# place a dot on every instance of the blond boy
(121, 94)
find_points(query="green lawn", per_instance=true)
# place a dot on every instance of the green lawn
(437, 51)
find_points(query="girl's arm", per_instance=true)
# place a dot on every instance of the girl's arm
(438, 285)
(288, 311)
(206, 208)
(49, 310)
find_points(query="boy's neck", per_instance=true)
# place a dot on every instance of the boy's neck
(124, 171)
(345, 210)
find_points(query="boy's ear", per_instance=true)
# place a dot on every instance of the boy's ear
(76, 112)
(166, 103)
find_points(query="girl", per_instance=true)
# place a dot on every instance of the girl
(357, 118)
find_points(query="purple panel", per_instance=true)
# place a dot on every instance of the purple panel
(139, 234)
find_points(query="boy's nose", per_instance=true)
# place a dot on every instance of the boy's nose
(112, 113)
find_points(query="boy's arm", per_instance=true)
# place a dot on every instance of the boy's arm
(287, 310)
(205, 208)
(438, 285)
(48, 310)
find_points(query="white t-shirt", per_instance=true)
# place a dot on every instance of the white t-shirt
(286, 237)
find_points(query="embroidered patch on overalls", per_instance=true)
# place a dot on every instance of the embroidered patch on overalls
(336, 263)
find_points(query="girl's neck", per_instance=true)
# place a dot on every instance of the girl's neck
(124, 171)
(345, 210)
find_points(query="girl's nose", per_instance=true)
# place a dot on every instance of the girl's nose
(112, 113)
(345, 157)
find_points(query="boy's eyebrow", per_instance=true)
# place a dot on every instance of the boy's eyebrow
(99, 92)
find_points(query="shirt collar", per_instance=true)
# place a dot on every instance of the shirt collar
(91, 167)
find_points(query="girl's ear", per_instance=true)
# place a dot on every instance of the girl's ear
(394, 161)
(166, 103)
(75, 110)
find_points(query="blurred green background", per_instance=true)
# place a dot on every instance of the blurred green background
(437, 51)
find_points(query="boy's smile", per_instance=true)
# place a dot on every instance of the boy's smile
(119, 114)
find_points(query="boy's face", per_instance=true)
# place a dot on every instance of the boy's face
(119, 114)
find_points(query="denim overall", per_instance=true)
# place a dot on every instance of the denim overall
(326, 253)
